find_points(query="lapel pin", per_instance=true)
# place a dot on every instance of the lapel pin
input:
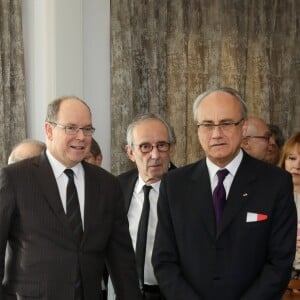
(245, 194)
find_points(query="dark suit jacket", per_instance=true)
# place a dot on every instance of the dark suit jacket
(42, 255)
(242, 260)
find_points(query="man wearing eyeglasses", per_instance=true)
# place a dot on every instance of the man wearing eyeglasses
(63, 218)
(227, 223)
(256, 138)
(150, 144)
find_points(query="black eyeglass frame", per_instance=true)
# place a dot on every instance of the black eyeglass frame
(160, 146)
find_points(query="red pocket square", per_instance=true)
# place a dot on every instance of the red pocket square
(254, 217)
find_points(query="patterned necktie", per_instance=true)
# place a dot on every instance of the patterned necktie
(219, 196)
(73, 208)
(141, 241)
(74, 217)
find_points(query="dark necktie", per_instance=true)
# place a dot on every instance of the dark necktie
(219, 195)
(73, 208)
(141, 240)
(74, 217)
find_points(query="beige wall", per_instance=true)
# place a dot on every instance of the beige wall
(67, 52)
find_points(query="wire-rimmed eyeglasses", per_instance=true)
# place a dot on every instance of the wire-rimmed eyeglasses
(73, 130)
(263, 137)
(225, 126)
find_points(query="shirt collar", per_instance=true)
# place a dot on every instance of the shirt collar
(58, 168)
(140, 183)
(231, 167)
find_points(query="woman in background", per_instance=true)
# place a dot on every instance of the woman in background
(290, 161)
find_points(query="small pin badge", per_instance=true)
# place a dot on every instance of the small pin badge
(245, 194)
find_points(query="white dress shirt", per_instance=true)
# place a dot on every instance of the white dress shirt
(134, 214)
(62, 182)
(231, 167)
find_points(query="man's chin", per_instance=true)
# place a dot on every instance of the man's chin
(155, 176)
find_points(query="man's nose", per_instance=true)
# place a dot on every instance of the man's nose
(216, 131)
(154, 152)
(80, 134)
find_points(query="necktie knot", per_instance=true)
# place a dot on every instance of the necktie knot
(69, 173)
(222, 174)
(146, 189)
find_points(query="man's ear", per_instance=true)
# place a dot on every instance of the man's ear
(245, 143)
(172, 149)
(99, 159)
(130, 153)
(48, 130)
(245, 127)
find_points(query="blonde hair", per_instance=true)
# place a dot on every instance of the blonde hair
(287, 148)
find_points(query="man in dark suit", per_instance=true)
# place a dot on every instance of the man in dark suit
(226, 224)
(150, 144)
(62, 225)
(95, 157)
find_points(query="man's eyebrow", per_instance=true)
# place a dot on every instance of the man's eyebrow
(221, 121)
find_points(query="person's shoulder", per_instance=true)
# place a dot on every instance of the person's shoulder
(20, 170)
(128, 174)
(97, 171)
(186, 170)
(128, 177)
(264, 169)
(25, 163)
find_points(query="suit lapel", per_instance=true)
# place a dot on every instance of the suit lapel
(91, 190)
(240, 192)
(46, 181)
(128, 188)
(202, 196)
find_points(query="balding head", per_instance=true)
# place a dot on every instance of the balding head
(256, 138)
(26, 149)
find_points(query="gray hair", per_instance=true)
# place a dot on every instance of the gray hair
(145, 117)
(53, 107)
(228, 90)
(36, 148)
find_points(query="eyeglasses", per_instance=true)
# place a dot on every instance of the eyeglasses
(224, 126)
(73, 130)
(160, 146)
(263, 137)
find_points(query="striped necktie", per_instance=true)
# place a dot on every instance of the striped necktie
(73, 208)
(74, 217)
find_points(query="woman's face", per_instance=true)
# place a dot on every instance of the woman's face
(292, 164)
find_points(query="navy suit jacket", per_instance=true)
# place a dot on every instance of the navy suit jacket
(42, 254)
(241, 260)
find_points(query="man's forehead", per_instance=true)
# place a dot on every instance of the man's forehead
(220, 105)
(150, 129)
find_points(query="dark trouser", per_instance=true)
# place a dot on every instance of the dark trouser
(152, 292)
